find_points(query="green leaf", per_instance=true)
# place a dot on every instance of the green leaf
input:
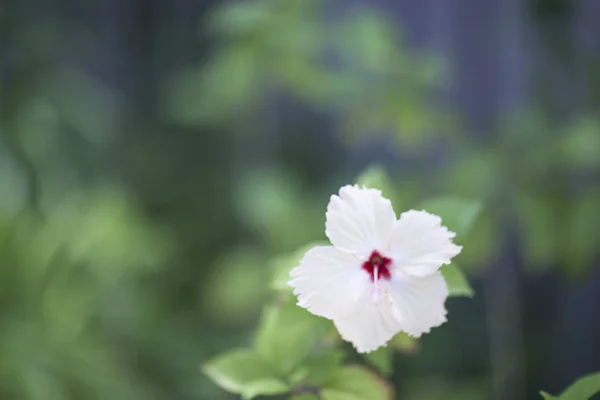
(356, 383)
(269, 387)
(282, 265)
(236, 290)
(376, 177)
(367, 39)
(483, 244)
(476, 174)
(239, 19)
(305, 397)
(273, 201)
(580, 145)
(211, 94)
(42, 385)
(458, 285)
(322, 366)
(86, 104)
(286, 334)
(105, 232)
(582, 389)
(547, 396)
(381, 359)
(581, 239)
(411, 121)
(242, 371)
(538, 222)
(458, 214)
(404, 343)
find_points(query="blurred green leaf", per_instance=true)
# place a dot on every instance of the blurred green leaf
(41, 385)
(297, 33)
(321, 366)
(431, 68)
(376, 177)
(87, 105)
(305, 397)
(236, 290)
(458, 285)
(356, 383)
(581, 143)
(39, 127)
(68, 306)
(581, 239)
(410, 120)
(404, 343)
(476, 174)
(265, 196)
(286, 334)
(239, 19)
(367, 38)
(282, 265)
(101, 231)
(309, 81)
(267, 387)
(272, 203)
(13, 191)
(213, 93)
(242, 371)
(112, 237)
(359, 124)
(381, 359)
(457, 214)
(538, 221)
(547, 396)
(525, 129)
(483, 244)
(582, 389)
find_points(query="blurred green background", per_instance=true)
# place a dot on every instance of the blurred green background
(157, 158)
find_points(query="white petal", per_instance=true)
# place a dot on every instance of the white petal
(420, 244)
(418, 302)
(328, 281)
(360, 220)
(370, 326)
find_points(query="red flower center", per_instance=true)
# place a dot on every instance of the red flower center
(377, 266)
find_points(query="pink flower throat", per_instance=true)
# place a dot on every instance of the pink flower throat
(377, 266)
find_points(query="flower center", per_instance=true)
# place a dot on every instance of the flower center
(377, 266)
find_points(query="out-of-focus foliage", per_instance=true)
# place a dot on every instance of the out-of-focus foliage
(352, 65)
(56, 274)
(139, 238)
(358, 70)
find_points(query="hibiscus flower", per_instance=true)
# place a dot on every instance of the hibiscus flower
(381, 274)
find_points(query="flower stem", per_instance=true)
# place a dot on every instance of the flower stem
(305, 389)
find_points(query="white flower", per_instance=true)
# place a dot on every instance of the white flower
(381, 274)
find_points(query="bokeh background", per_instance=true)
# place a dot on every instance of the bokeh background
(156, 156)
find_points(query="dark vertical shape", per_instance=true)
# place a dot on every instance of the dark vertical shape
(512, 68)
(503, 308)
(143, 49)
(476, 49)
(412, 18)
(576, 347)
(502, 290)
(553, 21)
(442, 29)
(441, 23)
(579, 320)
(587, 48)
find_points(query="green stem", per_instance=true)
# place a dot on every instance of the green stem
(305, 389)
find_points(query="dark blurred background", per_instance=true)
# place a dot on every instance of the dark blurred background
(156, 155)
